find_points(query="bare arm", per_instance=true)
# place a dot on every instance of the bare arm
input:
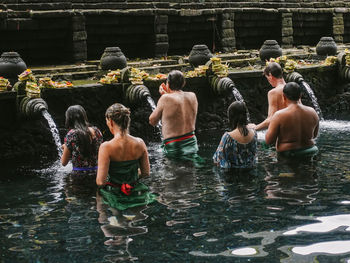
(273, 131)
(144, 162)
(103, 164)
(272, 99)
(157, 113)
(66, 155)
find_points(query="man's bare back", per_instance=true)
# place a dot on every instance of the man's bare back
(275, 95)
(178, 111)
(179, 114)
(294, 127)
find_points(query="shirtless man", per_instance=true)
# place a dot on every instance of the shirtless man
(177, 110)
(274, 74)
(294, 128)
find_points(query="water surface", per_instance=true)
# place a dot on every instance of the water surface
(281, 212)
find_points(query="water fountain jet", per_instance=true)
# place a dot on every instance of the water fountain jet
(298, 78)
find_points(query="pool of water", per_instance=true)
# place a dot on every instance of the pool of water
(281, 212)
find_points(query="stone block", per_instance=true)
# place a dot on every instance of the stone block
(338, 20)
(161, 38)
(229, 49)
(161, 29)
(78, 18)
(79, 36)
(227, 33)
(286, 15)
(338, 38)
(80, 45)
(76, 26)
(287, 40)
(338, 30)
(287, 22)
(341, 10)
(287, 31)
(79, 56)
(161, 19)
(161, 48)
(228, 16)
(227, 24)
(336, 4)
(228, 42)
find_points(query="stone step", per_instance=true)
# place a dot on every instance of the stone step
(142, 63)
(63, 69)
(68, 75)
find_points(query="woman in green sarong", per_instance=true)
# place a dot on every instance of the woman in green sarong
(122, 161)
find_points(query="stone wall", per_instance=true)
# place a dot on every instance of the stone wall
(38, 38)
(252, 28)
(82, 30)
(134, 34)
(31, 139)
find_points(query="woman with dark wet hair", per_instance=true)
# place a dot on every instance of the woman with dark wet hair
(122, 161)
(82, 141)
(237, 148)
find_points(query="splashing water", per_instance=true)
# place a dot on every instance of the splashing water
(54, 131)
(313, 98)
(153, 107)
(239, 97)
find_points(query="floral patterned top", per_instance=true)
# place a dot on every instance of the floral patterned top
(232, 154)
(71, 141)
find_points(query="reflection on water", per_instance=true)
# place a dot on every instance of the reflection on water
(279, 212)
(333, 247)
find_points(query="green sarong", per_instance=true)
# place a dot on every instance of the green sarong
(122, 189)
(180, 145)
(300, 153)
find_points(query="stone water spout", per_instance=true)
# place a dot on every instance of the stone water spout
(225, 85)
(298, 78)
(32, 107)
(136, 93)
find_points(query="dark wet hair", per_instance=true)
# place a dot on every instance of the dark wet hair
(237, 117)
(120, 115)
(76, 119)
(176, 80)
(274, 69)
(292, 91)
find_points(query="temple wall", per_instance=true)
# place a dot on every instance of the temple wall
(69, 31)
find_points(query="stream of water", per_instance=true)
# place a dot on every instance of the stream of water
(153, 107)
(313, 98)
(54, 131)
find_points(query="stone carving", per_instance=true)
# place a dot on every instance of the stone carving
(11, 65)
(270, 49)
(200, 54)
(326, 47)
(112, 59)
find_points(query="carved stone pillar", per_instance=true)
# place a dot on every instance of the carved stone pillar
(161, 41)
(79, 37)
(228, 39)
(287, 30)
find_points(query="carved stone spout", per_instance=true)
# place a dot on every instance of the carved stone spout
(294, 77)
(32, 108)
(136, 93)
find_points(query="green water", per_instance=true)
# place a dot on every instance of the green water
(281, 212)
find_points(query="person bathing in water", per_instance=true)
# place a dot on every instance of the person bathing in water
(294, 128)
(82, 141)
(237, 148)
(177, 110)
(274, 75)
(119, 161)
